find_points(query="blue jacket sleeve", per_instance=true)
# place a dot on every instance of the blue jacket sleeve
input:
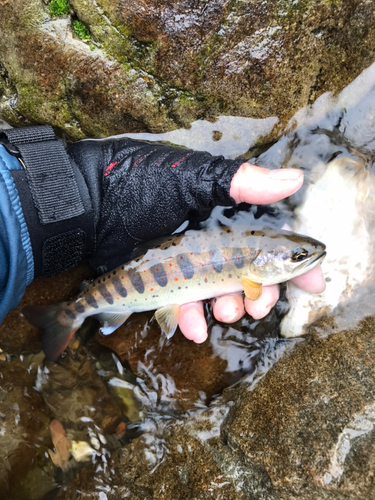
(16, 258)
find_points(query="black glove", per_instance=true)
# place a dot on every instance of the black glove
(132, 192)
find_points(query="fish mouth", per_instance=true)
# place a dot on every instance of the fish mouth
(317, 259)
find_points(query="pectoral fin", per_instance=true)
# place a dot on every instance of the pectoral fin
(253, 290)
(110, 322)
(167, 317)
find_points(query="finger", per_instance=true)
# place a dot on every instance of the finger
(252, 184)
(312, 281)
(228, 308)
(192, 322)
(260, 308)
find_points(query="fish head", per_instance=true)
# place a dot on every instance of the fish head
(285, 256)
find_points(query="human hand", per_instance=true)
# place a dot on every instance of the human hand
(254, 185)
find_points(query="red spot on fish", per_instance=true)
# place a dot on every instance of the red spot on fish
(151, 289)
(134, 275)
(95, 294)
(122, 277)
(213, 253)
(162, 279)
(170, 265)
(176, 279)
(109, 168)
(118, 298)
(238, 258)
(215, 268)
(191, 253)
(185, 278)
(226, 260)
(157, 269)
(181, 257)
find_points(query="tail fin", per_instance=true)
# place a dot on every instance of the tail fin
(56, 335)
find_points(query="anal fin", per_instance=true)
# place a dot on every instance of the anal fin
(253, 290)
(111, 321)
(167, 317)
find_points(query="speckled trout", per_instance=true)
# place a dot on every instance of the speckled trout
(194, 266)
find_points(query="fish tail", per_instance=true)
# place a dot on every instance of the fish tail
(56, 335)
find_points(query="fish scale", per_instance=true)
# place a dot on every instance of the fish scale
(195, 266)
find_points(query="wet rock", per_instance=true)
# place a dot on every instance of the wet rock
(161, 65)
(310, 421)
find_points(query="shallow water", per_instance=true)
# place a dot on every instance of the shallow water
(109, 390)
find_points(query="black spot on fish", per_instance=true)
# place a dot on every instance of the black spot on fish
(70, 314)
(229, 275)
(159, 274)
(114, 272)
(228, 230)
(119, 287)
(187, 269)
(136, 280)
(216, 260)
(105, 293)
(90, 299)
(252, 232)
(79, 307)
(173, 244)
(238, 258)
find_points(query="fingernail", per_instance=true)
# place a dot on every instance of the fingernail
(199, 339)
(261, 313)
(286, 174)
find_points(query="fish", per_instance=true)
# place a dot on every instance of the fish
(196, 265)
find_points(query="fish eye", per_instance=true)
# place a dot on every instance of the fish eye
(299, 254)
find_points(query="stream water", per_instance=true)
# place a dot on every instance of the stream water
(106, 391)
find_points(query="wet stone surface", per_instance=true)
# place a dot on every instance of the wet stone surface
(160, 67)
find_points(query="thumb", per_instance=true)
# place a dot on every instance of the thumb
(261, 186)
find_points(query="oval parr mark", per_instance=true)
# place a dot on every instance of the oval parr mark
(185, 265)
(136, 281)
(80, 308)
(159, 274)
(90, 299)
(119, 287)
(70, 314)
(216, 260)
(105, 294)
(238, 258)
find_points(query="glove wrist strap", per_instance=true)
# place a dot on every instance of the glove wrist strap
(54, 198)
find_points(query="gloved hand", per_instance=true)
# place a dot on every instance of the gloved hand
(141, 191)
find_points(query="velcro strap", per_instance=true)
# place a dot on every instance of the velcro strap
(49, 173)
(55, 200)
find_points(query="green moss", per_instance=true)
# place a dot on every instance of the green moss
(59, 7)
(81, 30)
